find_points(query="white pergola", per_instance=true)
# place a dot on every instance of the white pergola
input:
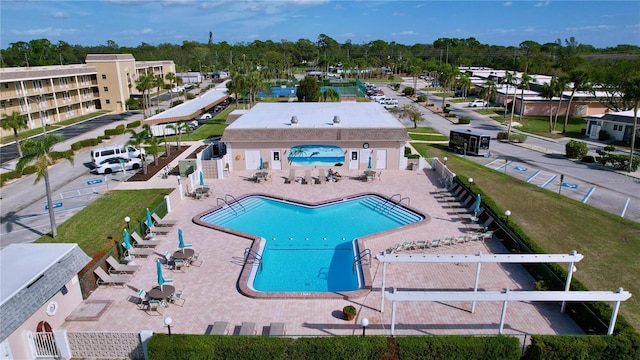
(479, 258)
(505, 296)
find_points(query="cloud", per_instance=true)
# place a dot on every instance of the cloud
(59, 15)
(145, 31)
(591, 28)
(508, 3)
(44, 32)
(541, 4)
(404, 33)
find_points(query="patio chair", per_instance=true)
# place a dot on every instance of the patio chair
(321, 177)
(277, 329)
(218, 328)
(178, 298)
(154, 307)
(143, 242)
(156, 230)
(196, 260)
(138, 252)
(105, 279)
(307, 177)
(292, 177)
(247, 328)
(115, 268)
(161, 222)
(144, 300)
(178, 265)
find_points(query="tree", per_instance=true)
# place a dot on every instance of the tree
(464, 82)
(446, 75)
(561, 86)
(330, 94)
(548, 91)
(180, 127)
(510, 80)
(172, 78)
(631, 90)
(136, 140)
(579, 78)
(308, 89)
(158, 82)
(144, 84)
(410, 112)
(524, 85)
(255, 84)
(14, 121)
(40, 152)
(490, 88)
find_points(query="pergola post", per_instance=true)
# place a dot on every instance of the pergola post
(504, 311)
(567, 285)
(393, 316)
(475, 285)
(614, 315)
(384, 272)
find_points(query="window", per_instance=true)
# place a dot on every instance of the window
(104, 77)
(3, 104)
(106, 88)
(276, 156)
(354, 155)
(107, 101)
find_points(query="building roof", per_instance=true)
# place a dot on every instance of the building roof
(191, 108)
(315, 121)
(109, 57)
(617, 117)
(31, 275)
(44, 72)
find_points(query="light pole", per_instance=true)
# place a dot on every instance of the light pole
(167, 321)
(507, 214)
(444, 161)
(127, 220)
(471, 184)
(364, 322)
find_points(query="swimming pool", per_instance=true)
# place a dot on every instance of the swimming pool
(307, 248)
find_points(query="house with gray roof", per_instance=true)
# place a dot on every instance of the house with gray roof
(619, 125)
(39, 288)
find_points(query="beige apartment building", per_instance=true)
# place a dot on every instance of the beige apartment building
(50, 94)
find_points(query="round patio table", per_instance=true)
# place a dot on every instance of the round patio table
(183, 254)
(161, 294)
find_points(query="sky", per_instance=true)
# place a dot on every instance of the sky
(132, 22)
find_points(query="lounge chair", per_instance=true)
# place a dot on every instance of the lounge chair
(144, 300)
(321, 177)
(178, 298)
(105, 279)
(156, 230)
(196, 260)
(218, 328)
(292, 177)
(277, 329)
(178, 265)
(115, 268)
(307, 177)
(138, 252)
(247, 328)
(154, 307)
(142, 242)
(162, 222)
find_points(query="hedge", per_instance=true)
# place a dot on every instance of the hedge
(464, 120)
(458, 347)
(569, 347)
(517, 138)
(119, 130)
(84, 143)
(134, 124)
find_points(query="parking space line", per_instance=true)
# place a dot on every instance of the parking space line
(503, 165)
(533, 175)
(549, 181)
(588, 194)
(626, 204)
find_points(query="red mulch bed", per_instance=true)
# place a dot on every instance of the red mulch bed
(163, 160)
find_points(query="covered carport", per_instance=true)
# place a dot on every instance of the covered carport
(189, 109)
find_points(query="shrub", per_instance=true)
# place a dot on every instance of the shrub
(9, 175)
(576, 149)
(603, 135)
(589, 159)
(189, 96)
(84, 143)
(177, 102)
(422, 98)
(517, 138)
(133, 124)
(119, 130)
(610, 148)
(409, 91)
(430, 104)
(446, 110)
(464, 120)
(31, 169)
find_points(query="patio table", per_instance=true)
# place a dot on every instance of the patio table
(161, 294)
(183, 254)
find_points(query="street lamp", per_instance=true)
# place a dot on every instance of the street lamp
(507, 214)
(167, 321)
(470, 182)
(364, 322)
(127, 220)
(444, 161)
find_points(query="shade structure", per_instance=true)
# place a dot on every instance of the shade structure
(149, 220)
(202, 179)
(180, 240)
(369, 165)
(126, 240)
(261, 164)
(476, 206)
(161, 279)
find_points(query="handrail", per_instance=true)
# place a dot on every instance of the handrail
(399, 201)
(363, 258)
(234, 201)
(388, 200)
(252, 257)
(225, 201)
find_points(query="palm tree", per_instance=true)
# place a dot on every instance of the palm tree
(158, 82)
(144, 84)
(490, 89)
(136, 140)
(548, 91)
(330, 94)
(40, 152)
(446, 76)
(180, 127)
(524, 82)
(255, 84)
(579, 78)
(631, 91)
(464, 82)
(509, 79)
(524, 85)
(14, 121)
(172, 78)
(410, 112)
(561, 86)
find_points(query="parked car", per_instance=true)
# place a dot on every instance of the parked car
(205, 116)
(117, 164)
(478, 103)
(102, 153)
(390, 104)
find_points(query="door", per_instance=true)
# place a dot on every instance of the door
(473, 145)
(252, 159)
(353, 162)
(276, 164)
(381, 159)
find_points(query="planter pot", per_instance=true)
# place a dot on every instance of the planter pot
(348, 317)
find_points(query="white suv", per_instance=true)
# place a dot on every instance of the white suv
(478, 103)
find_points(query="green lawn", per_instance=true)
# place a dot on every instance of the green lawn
(539, 125)
(36, 131)
(558, 224)
(101, 223)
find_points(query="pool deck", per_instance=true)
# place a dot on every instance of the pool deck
(211, 290)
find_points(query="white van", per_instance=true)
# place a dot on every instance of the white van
(127, 151)
(391, 103)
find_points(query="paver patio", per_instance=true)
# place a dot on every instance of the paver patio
(211, 289)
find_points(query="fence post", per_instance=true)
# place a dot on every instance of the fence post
(144, 339)
(62, 342)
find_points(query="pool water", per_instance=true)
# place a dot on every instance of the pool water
(310, 248)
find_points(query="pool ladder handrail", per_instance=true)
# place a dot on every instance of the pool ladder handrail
(225, 201)
(363, 258)
(388, 200)
(399, 201)
(252, 257)
(235, 201)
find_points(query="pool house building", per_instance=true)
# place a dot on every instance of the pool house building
(281, 136)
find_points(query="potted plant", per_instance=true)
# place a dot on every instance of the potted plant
(349, 312)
